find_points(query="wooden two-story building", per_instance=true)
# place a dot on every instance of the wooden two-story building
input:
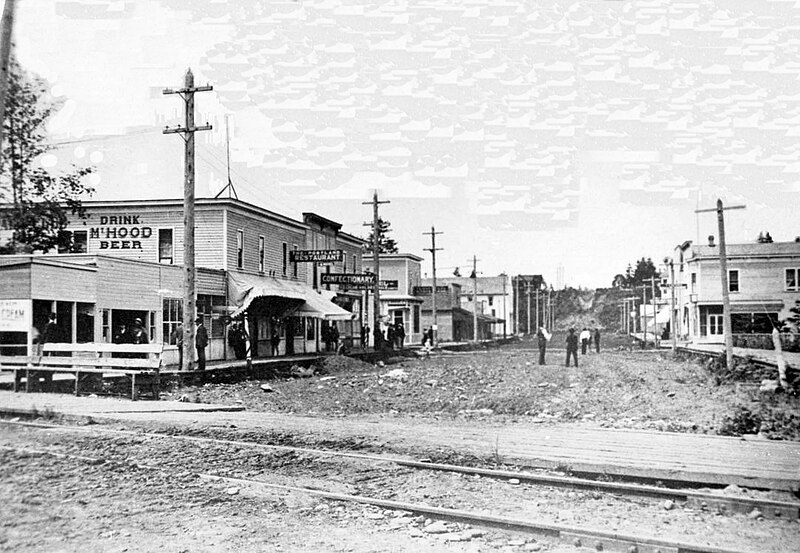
(128, 266)
(763, 285)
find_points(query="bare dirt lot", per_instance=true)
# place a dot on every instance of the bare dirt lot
(640, 389)
(68, 490)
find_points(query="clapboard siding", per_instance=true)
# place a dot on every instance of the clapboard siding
(15, 283)
(211, 282)
(275, 235)
(130, 285)
(209, 246)
(144, 246)
(56, 282)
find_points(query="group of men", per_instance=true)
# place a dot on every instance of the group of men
(586, 337)
(394, 336)
(200, 343)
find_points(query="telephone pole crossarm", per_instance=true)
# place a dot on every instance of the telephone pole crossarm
(187, 133)
(433, 249)
(376, 297)
(723, 269)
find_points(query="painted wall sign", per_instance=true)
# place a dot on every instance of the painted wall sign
(15, 315)
(120, 232)
(325, 256)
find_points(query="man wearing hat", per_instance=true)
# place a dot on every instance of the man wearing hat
(138, 335)
(200, 343)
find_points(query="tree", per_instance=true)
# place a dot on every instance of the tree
(792, 322)
(38, 203)
(385, 244)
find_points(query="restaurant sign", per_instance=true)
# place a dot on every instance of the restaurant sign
(322, 256)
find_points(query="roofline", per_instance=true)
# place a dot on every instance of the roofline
(368, 256)
(199, 202)
(311, 215)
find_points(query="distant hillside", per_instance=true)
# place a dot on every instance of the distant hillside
(578, 308)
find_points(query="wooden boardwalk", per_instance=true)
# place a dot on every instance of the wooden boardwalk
(751, 462)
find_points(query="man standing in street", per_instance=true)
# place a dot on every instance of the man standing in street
(597, 339)
(585, 337)
(200, 343)
(572, 346)
(542, 336)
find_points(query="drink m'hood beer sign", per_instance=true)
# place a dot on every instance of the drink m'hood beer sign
(322, 256)
(358, 281)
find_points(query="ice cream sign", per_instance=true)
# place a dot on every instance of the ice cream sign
(15, 315)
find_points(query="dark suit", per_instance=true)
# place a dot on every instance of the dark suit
(200, 342)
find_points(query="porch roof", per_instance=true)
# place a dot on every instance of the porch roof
(244, 288)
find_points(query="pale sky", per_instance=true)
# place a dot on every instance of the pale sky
(532, 134)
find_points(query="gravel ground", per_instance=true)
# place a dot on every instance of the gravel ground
(644, 390)
(56, 502)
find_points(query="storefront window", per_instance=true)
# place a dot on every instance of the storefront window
(205, 307)
(172, 316)
(106, 326)
(84, 331)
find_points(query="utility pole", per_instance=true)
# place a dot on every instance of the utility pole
(644, 314)
(5, 56)
(187, 133)
(516, 305)
(528, 317)
(655, 314)
(474, 298)
(723, 268)
(505, 315)
(433, 249)
(376, 294)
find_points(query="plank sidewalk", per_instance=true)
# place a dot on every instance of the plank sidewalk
(652, 455)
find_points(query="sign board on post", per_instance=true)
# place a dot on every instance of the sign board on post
(15, 315)
(319, 256)
(357, 281)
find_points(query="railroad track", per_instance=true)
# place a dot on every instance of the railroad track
(597, 539)
(694, 499)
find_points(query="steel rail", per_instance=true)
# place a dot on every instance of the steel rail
(599, 539)
(723, 504)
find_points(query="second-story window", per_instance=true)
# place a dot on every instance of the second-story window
(285, 265)
(491, 300)
(354, 263)
(294, 265)
(261, 254)
(793, 280)
(733, 280)
(239, 249)
(694, 283)
(165, 246)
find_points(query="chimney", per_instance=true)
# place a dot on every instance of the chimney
(711, 240)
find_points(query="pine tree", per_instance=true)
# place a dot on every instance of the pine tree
(385, 244)
(38, 203)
